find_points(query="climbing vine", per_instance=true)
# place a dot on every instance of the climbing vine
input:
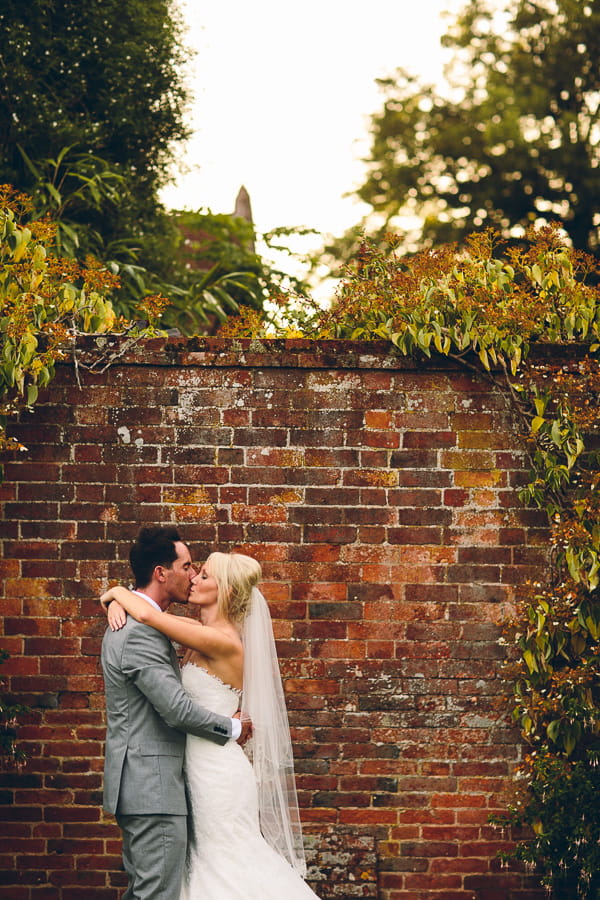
(45, 301)
(486, 306)
(11, 755)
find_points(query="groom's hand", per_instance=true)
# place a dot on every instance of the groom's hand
(246, 728)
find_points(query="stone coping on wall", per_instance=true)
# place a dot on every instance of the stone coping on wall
(101, 350)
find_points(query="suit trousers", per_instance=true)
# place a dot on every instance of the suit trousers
(154, 848)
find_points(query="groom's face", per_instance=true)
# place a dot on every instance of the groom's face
(179, 577)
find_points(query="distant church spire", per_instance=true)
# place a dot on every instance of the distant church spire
(243, 209)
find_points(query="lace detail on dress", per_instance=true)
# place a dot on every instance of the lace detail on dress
(226, 684)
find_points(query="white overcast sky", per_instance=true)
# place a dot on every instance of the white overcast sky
(283, 93)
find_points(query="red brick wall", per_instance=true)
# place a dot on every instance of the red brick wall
(380, 497)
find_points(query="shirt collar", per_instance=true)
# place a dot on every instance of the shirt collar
(149, 599)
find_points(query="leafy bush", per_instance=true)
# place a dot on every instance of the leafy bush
(45, 301)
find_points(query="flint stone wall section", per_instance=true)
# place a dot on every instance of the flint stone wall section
(380, 496)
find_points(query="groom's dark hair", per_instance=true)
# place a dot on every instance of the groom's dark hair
(154, 546)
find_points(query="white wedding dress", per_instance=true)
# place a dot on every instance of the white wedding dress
(228, 859)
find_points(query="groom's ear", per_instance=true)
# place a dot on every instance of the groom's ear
(160, 573)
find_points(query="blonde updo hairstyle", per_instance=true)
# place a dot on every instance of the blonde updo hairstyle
(236, 574)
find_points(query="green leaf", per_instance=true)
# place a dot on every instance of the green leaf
(32, 394)
(556, 433)
(553, 730)
(28, 162)
(54, 193)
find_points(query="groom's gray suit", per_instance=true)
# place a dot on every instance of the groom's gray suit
(148, 714)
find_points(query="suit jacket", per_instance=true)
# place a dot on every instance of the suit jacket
(148, 714)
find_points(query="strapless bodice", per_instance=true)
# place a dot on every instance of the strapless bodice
(209, 691)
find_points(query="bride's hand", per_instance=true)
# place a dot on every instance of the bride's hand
(115, 613)
(116, 616)
(107, 598)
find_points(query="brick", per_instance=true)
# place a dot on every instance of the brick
(371, 478)
(318, 553)
(472, 478)
(379, 419)
(415, 535)
(334, 496)
(421, 458)
(87, 550)
(423, 516)
(377, 439)
(416, 497)
(336, 534)
(338, 610)
(31, 549)
(428, 439)
(374, 497)
(425, 478)
(340, 649)
(373, 459)
(326, 515)
(33, 588)
(317, 592)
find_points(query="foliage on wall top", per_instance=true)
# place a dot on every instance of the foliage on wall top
(45, 301)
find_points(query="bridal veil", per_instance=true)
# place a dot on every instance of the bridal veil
(270, 747)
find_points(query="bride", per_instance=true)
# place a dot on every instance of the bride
(245, 840)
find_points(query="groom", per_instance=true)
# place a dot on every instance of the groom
(148, 713)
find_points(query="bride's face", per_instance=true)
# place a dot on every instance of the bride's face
(204, 589)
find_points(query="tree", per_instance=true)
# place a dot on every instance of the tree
(514, 144)
(94, 138)
(96, 89)
(106, 78)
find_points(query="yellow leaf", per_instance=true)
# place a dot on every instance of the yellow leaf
(536, 423)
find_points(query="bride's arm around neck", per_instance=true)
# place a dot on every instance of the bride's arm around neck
(211, 641)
